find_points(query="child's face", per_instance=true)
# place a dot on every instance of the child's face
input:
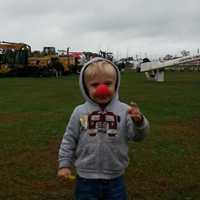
(107, 79)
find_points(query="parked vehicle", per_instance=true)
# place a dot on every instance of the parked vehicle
(17, 59)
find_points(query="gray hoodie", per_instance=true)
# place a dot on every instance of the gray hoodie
(96, 140)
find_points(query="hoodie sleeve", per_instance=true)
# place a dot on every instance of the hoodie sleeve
(69, 142)
(137, 132)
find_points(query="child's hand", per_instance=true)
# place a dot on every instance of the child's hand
(135, 113)
(65, 173)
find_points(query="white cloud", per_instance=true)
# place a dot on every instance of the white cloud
(130, 27)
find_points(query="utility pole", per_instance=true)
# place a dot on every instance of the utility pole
(68, 61)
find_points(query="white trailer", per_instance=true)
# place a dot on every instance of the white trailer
(155, 70)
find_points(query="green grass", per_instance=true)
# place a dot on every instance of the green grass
(34, 113)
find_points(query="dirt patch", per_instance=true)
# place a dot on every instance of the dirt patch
(36, 169)
(183, 127)
(24, 116)
(49, 159)
(13, 117)
(52, 185)
(36, 158)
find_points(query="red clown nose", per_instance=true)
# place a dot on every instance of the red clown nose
(102, 91)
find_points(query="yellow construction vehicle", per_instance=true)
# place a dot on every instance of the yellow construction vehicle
(13, 57)
(17, 59)
(48, 61)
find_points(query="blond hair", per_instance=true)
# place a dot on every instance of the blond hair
(99, 68)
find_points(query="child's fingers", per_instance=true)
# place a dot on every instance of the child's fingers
(134, 110)
(133, 104)
(71, 177)
(67, 177)
(65, 173)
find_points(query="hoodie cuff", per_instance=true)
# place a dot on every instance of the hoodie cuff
(140, 123)
(64, 164)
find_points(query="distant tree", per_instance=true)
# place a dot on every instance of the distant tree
(185, 53)
(168, 57)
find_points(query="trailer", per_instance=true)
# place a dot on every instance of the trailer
(155, 70)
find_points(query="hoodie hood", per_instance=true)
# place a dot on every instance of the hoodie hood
(82, 83)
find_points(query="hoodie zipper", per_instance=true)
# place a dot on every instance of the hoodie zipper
(102, 140)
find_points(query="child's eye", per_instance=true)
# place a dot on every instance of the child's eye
(108, 83)
(94, 84)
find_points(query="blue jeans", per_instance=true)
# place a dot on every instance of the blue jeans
(100, 189)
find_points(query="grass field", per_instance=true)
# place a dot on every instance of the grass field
(34, 113)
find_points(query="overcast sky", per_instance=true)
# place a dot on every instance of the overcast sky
(128, 27)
